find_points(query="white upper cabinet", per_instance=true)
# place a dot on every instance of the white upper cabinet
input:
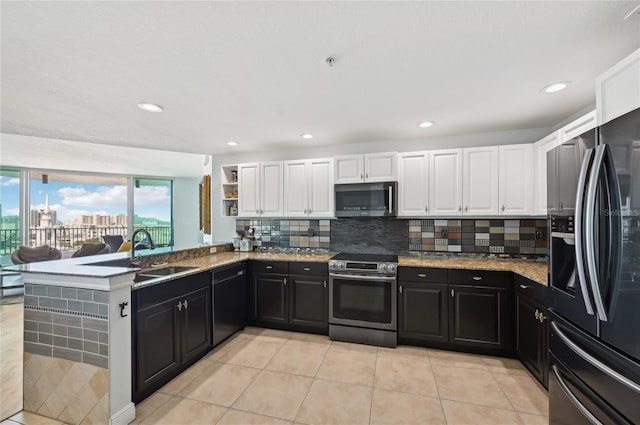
(480, 181)
(575, 128)
(618, 89)
(445, 182)
(374, 167)
(260, 189)
(516, 179)
(541, 148)
(308, 185)
(413, 185)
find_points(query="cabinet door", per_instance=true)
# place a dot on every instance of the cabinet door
(229, 306)
(271, 189)
(476, 316)
(618, 89)
(196, 324)
(295, 188)
(579, 126)
(157, 346)
(516, 179)
(249, 190)
(541, 148)
(423, 312)
(568, 157)
(349, 169)
(380, 167)
(445, 182)
(530, 345)
(320, 188)
(308, 302)
(413, 182)
(271, 298)
(480, 181)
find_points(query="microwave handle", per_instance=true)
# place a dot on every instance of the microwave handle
(390, 199)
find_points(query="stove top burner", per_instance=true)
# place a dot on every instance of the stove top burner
(369, 258)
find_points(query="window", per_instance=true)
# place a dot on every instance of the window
(9, 214)
(152, 207)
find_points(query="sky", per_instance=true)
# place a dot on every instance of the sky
(72, 199)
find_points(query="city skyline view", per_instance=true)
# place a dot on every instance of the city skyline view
(71, 200)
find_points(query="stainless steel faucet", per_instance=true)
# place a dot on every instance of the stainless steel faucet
(136, 261)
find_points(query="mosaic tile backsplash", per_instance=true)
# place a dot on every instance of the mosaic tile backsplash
(513, 237)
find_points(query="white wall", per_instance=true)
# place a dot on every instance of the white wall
(186, 212)
(223, 228)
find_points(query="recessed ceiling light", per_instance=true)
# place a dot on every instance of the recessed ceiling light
(150, 107)
(306, 136)
(232, 143)
(426, 124)
(555, 87)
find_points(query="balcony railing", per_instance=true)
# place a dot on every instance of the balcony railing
(71, 238)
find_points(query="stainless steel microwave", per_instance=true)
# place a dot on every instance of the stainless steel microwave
(366, 199)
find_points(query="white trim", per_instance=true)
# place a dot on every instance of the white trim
(83, 282)
(124, 416)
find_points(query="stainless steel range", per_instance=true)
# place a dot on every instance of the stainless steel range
(362, 298)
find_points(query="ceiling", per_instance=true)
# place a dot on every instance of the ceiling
(256, 72)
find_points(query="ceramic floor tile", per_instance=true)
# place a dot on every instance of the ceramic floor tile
(405, 375)
(524, 393)
(274, 394)
(252, 353)
(237, 417)
(530, 419)
(11, 356)
(178, 383)
(351, 367)
(358, 348)
(393, 408)
(8, 422)
(303, 338)
(27, 418)
(505, 366)
(184, 411)
(415, 353)
(458, 413)
(149, 405)
(222, 384)
(469, 385)
(449, 358)
(265, 335)
(331, 402)
(299, 359)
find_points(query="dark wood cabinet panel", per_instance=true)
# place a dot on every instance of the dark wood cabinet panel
(196, 325)
(477, 316)
(271, 298)
(531, 328)
(308, 302)
(422, 312)
(229, 301)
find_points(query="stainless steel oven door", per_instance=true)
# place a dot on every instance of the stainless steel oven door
(363, 301)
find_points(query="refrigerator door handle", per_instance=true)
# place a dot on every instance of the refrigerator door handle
(589, 225)
(581, 407)
(614, 217)
(579, 230)
(595, 362)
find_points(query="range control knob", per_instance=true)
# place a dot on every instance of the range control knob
(391, 268)
(382, 268)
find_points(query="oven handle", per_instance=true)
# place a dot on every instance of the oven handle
(360, 277)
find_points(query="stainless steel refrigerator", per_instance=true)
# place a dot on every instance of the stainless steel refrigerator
(593, 189)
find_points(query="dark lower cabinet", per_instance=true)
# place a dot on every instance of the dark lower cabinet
(531, 328)
(423, 312)
(289, 296)
(229, 301)
(171, 329)
(477, 316)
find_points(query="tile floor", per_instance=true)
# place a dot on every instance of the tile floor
(263, 376)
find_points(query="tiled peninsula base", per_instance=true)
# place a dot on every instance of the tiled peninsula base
(66, 334)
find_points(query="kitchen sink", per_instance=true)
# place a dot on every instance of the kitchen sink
(143, 277)
(166, 271)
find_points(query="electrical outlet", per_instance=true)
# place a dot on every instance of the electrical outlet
(213, 250)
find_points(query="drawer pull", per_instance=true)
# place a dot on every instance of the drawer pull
(477, 278)
(524, 286)
(400, 289)
(324, 283)
(268, 267)
(453, 292)
(307, 269)
(422, 275)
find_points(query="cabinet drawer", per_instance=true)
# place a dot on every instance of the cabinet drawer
(422, 274)
(228, 272)
(479, 277)
(261, 266)
(530, 289)
(152, 295)
(309, 268)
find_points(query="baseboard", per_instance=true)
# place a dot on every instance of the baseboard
(124, 416)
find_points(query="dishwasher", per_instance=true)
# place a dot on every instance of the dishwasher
(229, 301)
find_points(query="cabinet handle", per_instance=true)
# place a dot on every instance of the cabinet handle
(524, 286)
(460, 208)
(537, 314)
(453, 292)
(309, 210)
(185, 304)
(422, 275)
(268, 267)
(503, 208)
(542, 317)
(400, 289)
(426, 209)
(257, 211)
(366, 175)
(324, 283)
(466, 209)
(306, 269)
(361, 177)
(261, 211)
(285, 281)
(476, 278)
(179, 306)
